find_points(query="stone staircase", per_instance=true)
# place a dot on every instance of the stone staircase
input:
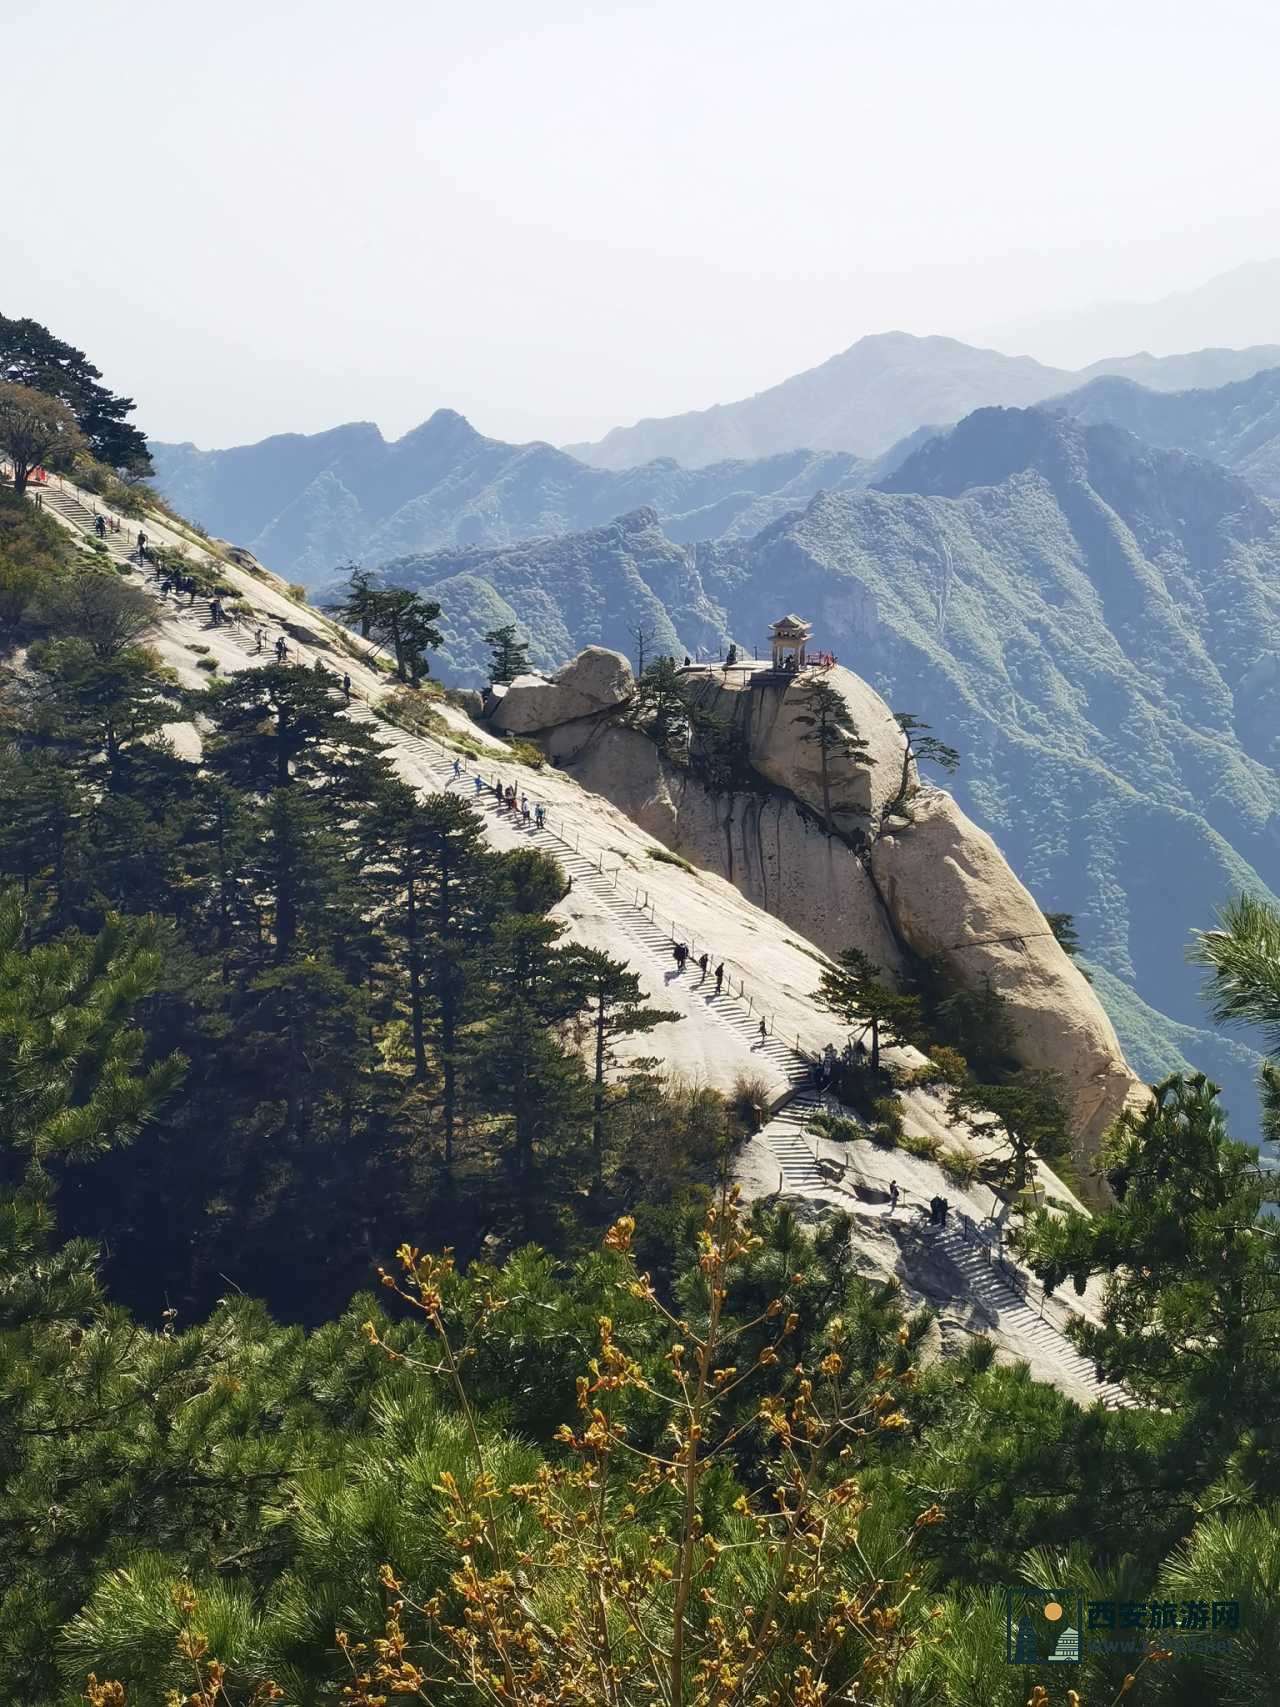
(987, 1286)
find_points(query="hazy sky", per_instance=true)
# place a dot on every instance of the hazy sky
(560, 217)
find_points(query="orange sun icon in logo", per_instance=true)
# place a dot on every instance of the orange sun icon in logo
(1053, 1611)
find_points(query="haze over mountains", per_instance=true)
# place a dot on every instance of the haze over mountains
(1237, 425)
(1239, 307)
(884, 387)
(306, 503)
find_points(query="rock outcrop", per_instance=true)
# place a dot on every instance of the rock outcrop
(769, 845)
(955, 902)
(596, 680)
(935, 885)
(770, 711)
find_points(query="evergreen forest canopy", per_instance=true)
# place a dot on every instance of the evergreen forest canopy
(276, 1027)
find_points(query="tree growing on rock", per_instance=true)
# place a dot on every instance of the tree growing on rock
(36, 431)
(392, 616)
(830, 728)
(510, 655)
(407, 622)
(856, 990)
(920, 746)
(358, 603)
(1024, 1111)
(661, 709)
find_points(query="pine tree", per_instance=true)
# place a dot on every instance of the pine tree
(919, 746)
(429, 859)
(30, 355)
(404, 619)
(831, 729)
(510, 655)
(527, 1074)
(357, 604)
(1191, 1312)
(856, 990)
(615, 1008)
(73, 1083)
(661, 709)
(1024, 1111)
(282, 724)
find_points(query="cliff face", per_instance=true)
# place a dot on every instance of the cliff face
(935, 884)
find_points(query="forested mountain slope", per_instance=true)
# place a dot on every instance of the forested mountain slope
(1237, 425)
(1092, 621)
(306, 504)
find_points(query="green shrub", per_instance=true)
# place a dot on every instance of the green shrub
(195, 646)
(960, 1167)
(664, 857)
(838, 1128)
(297, 592)
(920, 1144)
(945, 1066)
(525, 753)
(887, 1121)
(209, 664)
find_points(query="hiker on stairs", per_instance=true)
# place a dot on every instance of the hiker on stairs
(719, 977)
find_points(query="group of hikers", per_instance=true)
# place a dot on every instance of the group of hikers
(172, 582)
(680, 954)
(102, 525)
(939, 1207)
(517, 804)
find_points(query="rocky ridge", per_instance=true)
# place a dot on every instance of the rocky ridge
(934, 886)
(627, 901)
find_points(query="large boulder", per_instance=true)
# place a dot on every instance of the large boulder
(771, 711)
(955, 901)
(595, 681)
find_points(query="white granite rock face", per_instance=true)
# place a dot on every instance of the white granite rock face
(954, 900)
(938, 886)
(596, 680)
(770, 847)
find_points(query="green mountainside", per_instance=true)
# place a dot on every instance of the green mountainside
(1237, 425)
(306, 503)
(1092, 621)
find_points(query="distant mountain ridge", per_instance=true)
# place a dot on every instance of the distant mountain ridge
(884, 387)
(307, 503)
(1236, 425)
(1240, 307)
(1090, 620)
